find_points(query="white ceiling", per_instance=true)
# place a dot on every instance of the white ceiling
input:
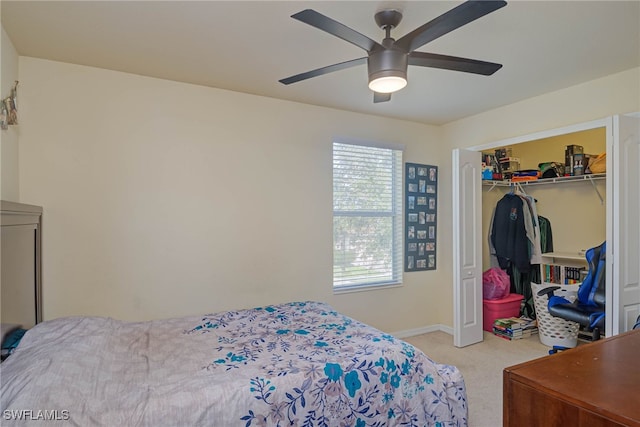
(248, 46)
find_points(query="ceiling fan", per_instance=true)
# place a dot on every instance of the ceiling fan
(387, 61)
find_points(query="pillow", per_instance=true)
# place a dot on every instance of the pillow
(11, 336)
(6, 329)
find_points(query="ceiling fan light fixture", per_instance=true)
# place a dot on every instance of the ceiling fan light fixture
(388, 81)
(387, 84)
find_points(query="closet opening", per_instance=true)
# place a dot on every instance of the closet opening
(583, 212)
(563, 205)
(576, 206)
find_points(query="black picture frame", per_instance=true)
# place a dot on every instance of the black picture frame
(420, 217)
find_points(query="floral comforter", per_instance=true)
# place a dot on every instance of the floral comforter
(296, 364)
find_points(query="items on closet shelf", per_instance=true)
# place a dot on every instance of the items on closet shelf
(525, 175)
(516, 238)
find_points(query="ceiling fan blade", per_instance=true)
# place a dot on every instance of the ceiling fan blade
(453, 63)
(455, 18)
(381, 97)
(324, 23)
(324, 70)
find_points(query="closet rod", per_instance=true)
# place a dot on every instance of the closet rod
(516, 186)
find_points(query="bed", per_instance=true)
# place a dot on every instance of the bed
(300, 364)
(294, 364)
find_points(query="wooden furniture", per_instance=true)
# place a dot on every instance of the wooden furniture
(596, 384)
(21, 290)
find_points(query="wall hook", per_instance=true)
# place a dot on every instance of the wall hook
(9, 109)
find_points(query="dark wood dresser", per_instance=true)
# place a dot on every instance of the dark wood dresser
(592, 385)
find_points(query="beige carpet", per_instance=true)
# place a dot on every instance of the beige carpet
(481, 365)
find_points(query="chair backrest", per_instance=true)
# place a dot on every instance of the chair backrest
(592, 289)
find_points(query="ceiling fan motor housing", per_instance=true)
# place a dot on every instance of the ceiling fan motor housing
(387, 63)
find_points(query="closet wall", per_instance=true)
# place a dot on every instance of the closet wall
(577, 216)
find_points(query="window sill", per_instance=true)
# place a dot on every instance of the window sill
(365, 288)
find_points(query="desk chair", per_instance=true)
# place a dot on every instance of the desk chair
(588, 309)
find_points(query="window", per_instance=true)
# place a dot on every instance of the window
(367, 216)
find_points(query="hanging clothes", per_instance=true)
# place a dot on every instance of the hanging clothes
(546, 237)
(508, 234)
(515, 242)
(522, 283)
(533, 229)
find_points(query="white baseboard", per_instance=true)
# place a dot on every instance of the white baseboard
(423, 330)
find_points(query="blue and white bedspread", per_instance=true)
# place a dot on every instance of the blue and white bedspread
(297, 364)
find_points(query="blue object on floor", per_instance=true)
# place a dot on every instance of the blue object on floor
(557, 348)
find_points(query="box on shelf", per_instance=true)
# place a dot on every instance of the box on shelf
(579, 164)
(569, 152)
(500, 308)
(509, 164)
(502, 153)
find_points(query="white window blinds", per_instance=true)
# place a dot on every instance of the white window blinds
(367, 216)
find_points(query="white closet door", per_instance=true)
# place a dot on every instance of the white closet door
(625, 172)
(467, 249)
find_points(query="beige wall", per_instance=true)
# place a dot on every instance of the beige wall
(163, 199)
(615, 94)
(166, 199)
(9, 183)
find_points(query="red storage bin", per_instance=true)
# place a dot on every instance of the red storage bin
(499, 309)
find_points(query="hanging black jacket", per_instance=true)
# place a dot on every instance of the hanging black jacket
(508, 234)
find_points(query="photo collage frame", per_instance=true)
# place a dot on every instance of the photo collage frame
(420, 221)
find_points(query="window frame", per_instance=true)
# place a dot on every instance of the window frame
(396, 215)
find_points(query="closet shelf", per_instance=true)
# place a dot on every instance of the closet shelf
(576, 256)
(557, 180)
